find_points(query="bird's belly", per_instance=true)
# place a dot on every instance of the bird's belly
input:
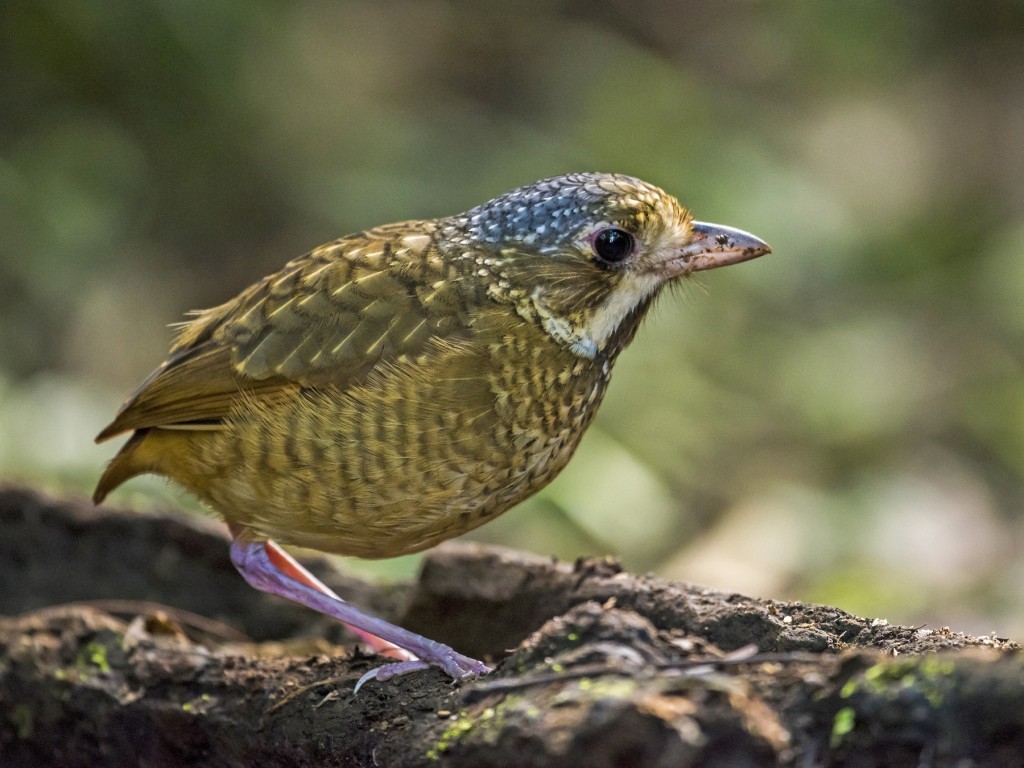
(374, 476)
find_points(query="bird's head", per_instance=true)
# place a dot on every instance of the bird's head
(585, 254)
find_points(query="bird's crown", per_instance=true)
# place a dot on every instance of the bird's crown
(548, 215)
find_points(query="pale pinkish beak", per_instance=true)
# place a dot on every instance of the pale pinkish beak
(714, 245)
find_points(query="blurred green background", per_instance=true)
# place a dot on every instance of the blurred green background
(841, 421)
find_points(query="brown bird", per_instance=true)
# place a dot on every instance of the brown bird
(403, 385)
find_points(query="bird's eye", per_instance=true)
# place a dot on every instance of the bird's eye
(613, 245)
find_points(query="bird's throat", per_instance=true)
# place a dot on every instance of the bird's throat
(587, 333)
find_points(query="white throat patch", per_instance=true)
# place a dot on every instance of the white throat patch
(590, 337)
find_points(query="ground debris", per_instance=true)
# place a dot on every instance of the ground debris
(130, 641)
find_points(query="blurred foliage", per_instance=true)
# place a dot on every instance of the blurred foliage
(841, 421)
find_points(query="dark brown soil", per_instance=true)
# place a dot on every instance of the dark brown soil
(130, 640)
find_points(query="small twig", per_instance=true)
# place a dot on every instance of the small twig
(305, 689)
(481, 688)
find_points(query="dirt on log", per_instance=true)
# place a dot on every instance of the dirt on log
(128, 639)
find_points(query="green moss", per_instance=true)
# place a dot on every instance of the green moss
(842, 724)
(93, 655)
(198, 704)
(457, 729)
(488, 723)
(74, 675)
(929, 676)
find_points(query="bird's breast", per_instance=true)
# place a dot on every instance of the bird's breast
(427, 449)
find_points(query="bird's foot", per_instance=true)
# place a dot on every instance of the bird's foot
(456, 665)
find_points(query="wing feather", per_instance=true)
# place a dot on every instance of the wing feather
(329, 318)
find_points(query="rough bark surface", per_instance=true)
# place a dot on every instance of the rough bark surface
(128, 639)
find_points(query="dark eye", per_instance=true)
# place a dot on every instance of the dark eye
(612, 245)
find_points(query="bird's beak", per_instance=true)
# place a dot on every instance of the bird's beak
(714, 245)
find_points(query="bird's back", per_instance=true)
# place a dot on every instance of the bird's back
(368, 399)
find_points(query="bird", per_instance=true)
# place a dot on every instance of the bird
(405, 384)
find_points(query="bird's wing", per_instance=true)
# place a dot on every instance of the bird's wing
(328, 318)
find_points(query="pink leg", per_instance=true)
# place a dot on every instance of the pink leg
(291, 568)
(269, 568)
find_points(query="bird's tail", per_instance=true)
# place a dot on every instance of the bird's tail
(130, 461)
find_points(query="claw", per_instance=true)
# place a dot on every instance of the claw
(388, 671)
(456, 665)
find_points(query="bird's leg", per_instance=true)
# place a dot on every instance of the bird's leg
(290, 567)
(269, 568)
